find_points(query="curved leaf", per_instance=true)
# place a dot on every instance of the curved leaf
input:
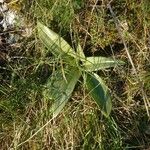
(61, 86)
(97, 63)
(54, 42)
(99, 92)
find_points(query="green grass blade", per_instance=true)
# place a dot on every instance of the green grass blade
(56, 44)
(97, 63)
(60, 87)
(99, 92)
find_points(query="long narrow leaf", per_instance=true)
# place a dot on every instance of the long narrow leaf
(97, 63)
(80, 52)
(54, 42)
(60, 87)
(99, 92)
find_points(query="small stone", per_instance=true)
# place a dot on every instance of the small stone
(1, 1)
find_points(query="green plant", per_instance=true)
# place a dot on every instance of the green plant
(60, 86)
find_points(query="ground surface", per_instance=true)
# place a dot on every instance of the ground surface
(24, 70)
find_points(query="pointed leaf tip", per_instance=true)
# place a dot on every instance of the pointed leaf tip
(97, 63)
(55, 44)
(99, 92)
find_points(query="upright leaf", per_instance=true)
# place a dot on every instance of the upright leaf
(80, 52)
(54, 42)
(99, 92)
(61, 86)
(97, 63)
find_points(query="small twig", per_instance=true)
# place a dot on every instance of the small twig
(117, 23)
(118, 26)
(12, 30)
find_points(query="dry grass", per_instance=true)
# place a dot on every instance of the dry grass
(23, 108)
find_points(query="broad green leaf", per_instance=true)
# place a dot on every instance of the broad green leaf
(97, 63)
(61, 86)
(99, 92)
(54, 43)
